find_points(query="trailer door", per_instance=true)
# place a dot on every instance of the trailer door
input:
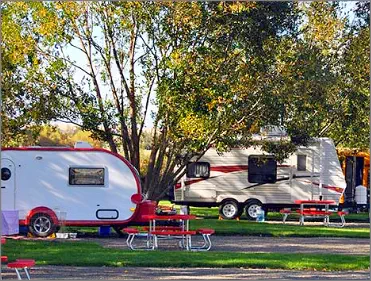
(7, 185)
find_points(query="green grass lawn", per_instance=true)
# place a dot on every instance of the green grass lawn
(91, 254)
(248, 228)
(208, 218)
(243, 227)
(276, 216)
(213, 212)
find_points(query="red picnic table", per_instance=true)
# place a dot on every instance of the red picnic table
(156, 232)
(182, 232)
(317, 211)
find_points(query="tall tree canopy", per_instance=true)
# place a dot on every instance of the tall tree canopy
(206, 73)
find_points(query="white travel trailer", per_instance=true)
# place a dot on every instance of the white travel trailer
(70, 186)
(250, 179)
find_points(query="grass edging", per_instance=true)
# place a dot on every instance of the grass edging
(75, 253)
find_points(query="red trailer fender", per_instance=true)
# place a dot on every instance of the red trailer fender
(41, 209)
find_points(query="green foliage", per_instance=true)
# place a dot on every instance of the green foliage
(25, 103)
(352, 128)
(216, 72)
(54, 136)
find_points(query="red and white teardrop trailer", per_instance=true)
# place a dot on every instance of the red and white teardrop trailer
(74, 186)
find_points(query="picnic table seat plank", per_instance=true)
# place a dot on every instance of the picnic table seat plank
(21, 264)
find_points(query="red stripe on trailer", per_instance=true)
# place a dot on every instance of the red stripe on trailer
(228, 169)
(333, 188)
(236, 168)
(189, 182)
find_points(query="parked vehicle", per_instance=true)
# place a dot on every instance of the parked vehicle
(356, 168)
(250, 179)
(85, 186)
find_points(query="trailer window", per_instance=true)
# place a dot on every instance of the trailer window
(86, 176)
(262, 169)
(301, 163)
(198, 170)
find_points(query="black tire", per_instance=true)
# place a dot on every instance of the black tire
(41, 225)
(251, 209)
(229, 210)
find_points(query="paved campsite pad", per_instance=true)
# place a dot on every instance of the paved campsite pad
(121, 273)
(249, 244)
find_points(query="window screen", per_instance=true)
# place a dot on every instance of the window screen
(198, 170)
(86, 176)
(262, 169)
(301, 163)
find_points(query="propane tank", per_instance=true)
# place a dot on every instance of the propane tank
(361, 195)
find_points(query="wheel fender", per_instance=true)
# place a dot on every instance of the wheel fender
(44, 210)
(254, 200)
(222, 198)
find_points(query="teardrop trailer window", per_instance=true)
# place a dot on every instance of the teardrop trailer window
(86, 176)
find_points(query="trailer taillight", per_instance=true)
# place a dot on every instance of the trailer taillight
(178, 185)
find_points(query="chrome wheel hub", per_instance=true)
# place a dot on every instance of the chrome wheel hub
(229, 210)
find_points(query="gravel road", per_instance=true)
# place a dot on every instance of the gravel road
(248, 244)
(123, 273)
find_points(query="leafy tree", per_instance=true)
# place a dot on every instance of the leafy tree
(25, 104)
(322, 76)
(354, 123)
(207, 78)
(216, 72)
(54, 136)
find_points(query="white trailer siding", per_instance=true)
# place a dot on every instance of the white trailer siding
(42, 179)
(229, 177)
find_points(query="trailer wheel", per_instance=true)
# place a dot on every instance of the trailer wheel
(41, 225)
(252, 208)
(229, 210)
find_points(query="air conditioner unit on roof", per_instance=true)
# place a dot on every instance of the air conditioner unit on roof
(82, 144)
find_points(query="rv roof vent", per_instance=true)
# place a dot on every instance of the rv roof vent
(82, 144)
(273, 131)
